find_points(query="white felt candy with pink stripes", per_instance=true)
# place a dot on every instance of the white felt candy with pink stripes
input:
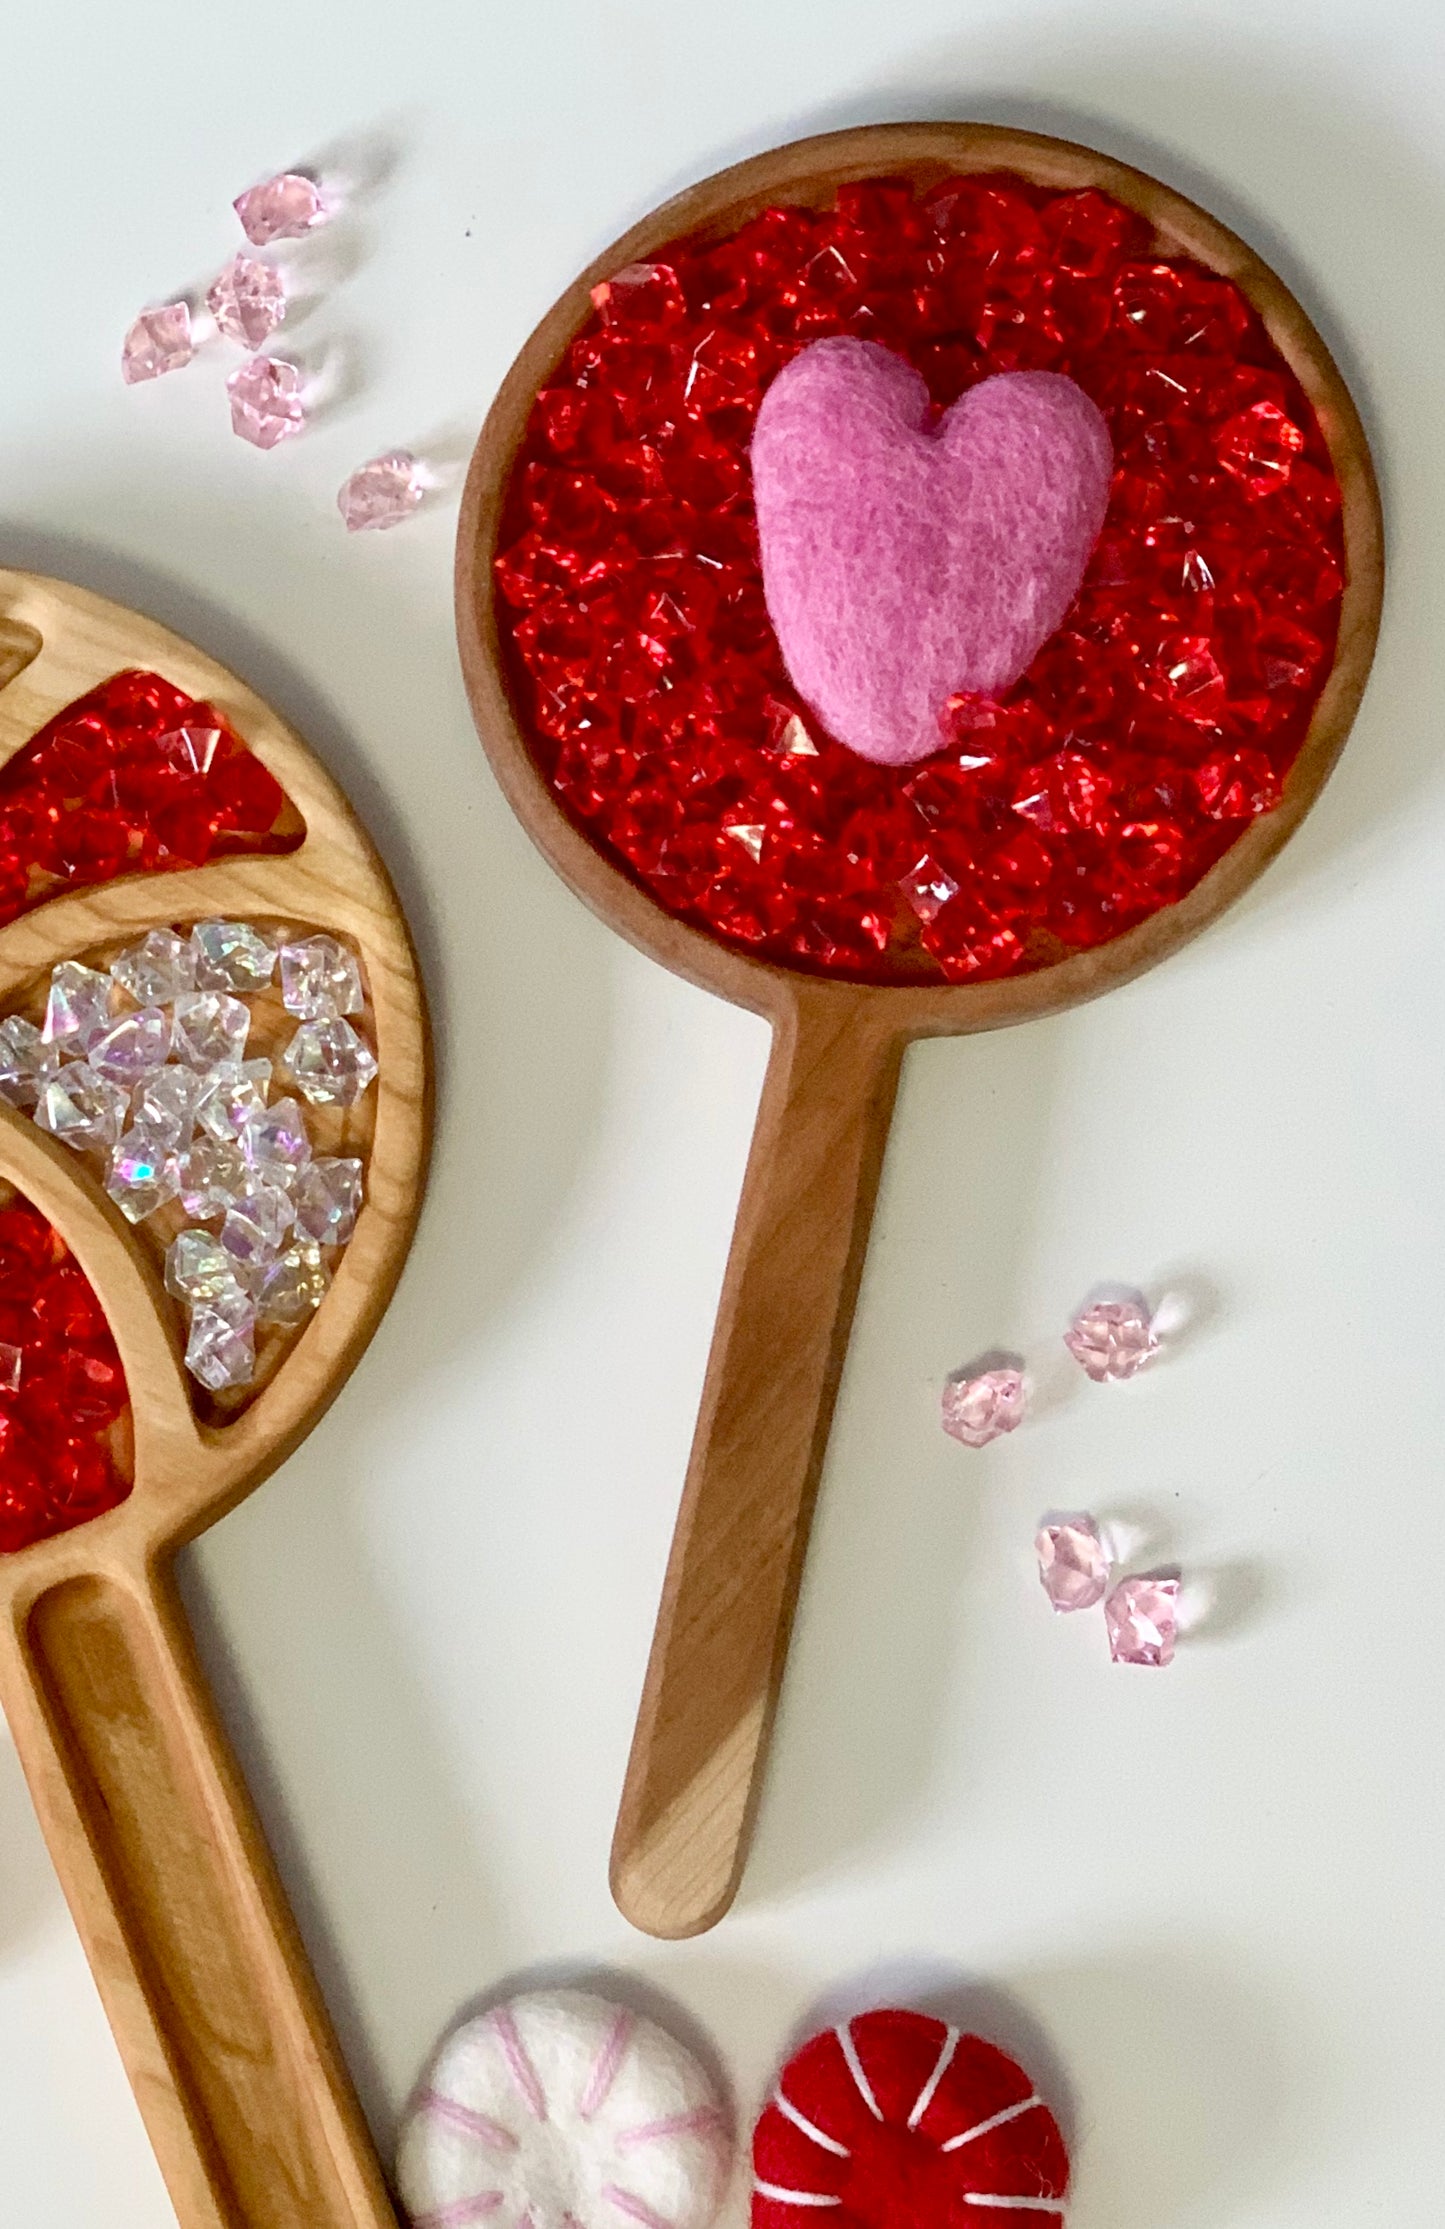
(560, 2110)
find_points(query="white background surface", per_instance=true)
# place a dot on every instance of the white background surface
(1208, 1901)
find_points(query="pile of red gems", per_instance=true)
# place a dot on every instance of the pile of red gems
(1148, 732)
(137, 777)
(61, 1386)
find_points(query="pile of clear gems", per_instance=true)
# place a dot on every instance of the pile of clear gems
(144, 1068)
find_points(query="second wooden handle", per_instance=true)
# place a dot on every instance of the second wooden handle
(777, 1355)
(227, 2045)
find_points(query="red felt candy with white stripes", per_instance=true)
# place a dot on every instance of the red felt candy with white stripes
(897, 2121)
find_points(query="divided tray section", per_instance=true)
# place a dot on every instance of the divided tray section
(203, 1976)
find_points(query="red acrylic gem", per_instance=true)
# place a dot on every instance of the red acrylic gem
(1161, 717)
(1259, 447)
(1235, 785)
(57, 1465)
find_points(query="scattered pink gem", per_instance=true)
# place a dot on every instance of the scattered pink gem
(381, 493)
(1073, 1565)
(1112, 1338)
(248, 301)
(159, 341)
(1142, 1616)
(983, 1406)
(267, 402)
(283, 208)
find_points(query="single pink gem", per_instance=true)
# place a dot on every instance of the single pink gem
(1073, 1565)
(1142, 1616)
(282, 208)
(382, 493)
(982, 1405)
(1112, 1338)
(267, 402)
(159, 341)
(247, 300)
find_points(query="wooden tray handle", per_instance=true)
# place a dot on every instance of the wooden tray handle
(737, 1554)
(203, 1975)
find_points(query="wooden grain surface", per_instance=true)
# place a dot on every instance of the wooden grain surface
(194, 1950)
(718, 1654)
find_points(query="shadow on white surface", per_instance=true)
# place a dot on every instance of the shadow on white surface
(29, 1891)
(878, 1662)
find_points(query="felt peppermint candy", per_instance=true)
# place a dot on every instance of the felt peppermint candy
(897, 2121)
(560, 2110)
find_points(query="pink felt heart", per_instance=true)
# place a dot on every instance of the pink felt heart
(906, 562)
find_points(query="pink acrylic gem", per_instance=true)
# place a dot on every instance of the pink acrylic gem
(1142, 1616)
(381, 493)
(159, 341)
(1073, 1565)
(982, 1405)
(282, 208)
(248, 301)
(1112, 1338)
(267, 402)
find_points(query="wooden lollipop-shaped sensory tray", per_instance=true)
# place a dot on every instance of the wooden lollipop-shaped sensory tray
(632, 698)
(110, 832)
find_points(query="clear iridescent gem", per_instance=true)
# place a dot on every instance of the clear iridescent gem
(1142, 1619)
(213, 1177)
(320, 979)
(330, 1063)
(1073, 1563)
(276, 1143)
(211, 1028)
(255, 1228)
(142, 1174)
(981, 1404)
(1113, 1338)
(81, 1108)
(191, 748)
(221, 1349)
(928, 887)
(26, 1061)
(232, 956)
(233, 1095)
(293, 1285)
(248, 300)
(158, 969)
(12, 1362)
(328, 1197)
(134, 1047)
(198, 1268)
(166, 1103)
(382, 492)
(78, 1008)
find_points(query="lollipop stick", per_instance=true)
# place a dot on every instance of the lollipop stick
(203, 1975)
(777, 1354)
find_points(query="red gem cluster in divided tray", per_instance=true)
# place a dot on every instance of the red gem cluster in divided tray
(110, 787)
(58, 1461)
(1149, 731)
